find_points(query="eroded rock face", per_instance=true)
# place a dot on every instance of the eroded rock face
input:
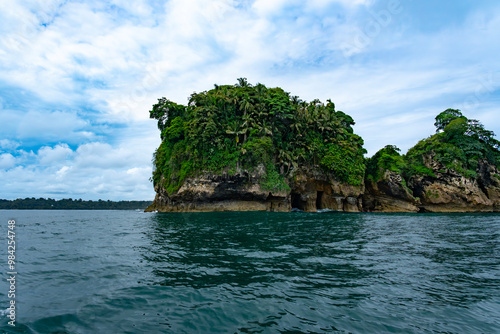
(390, 194)
(313, 190)
(451, 192)
(310, 190)
(209, 192)
(447, 191)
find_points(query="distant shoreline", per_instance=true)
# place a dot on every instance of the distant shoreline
(70, 204)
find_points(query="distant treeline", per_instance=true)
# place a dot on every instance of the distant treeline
(70, 204)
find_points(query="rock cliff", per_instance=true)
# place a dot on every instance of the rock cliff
(269, 150)
(313, 189)
(389, 194)
(310, 190)
(448, 191)
(211, 192)
(445, 191)
(265, 150)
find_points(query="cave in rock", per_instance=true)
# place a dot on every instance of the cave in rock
(297, 202)
(319, 198)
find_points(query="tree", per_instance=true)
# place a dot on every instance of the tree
(164, 111)
(456, 128)
(460, 145)
(244, 125)
(234, 129)
(242, 82)
(444, 118)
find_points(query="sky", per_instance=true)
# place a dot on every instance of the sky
(78, 78)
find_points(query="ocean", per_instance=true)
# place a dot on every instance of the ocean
(251, 272)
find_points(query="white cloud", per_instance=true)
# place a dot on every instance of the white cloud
(62, 172)
(116, 61)
(119, 170)
(50, 156)
(266, 7)
(346, 3)
(93, 171)
(7, 161)
(102, 155)
(138, 7)
(52, 126)
(8, 145)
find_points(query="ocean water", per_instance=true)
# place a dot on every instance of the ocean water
(134, 272)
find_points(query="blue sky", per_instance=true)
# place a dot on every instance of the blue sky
(77, 78)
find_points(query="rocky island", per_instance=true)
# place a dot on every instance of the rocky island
(252, 148)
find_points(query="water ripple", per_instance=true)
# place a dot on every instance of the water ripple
(129, 272)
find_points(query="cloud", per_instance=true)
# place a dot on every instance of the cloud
(49, 156)
(346, 3)
(92, 171)
(77, 78)
(34, 127)
(57, 125)
(102, 155)
(119, 169)
(140, 8)
(265, 8)
(8, 145)
(7, 161)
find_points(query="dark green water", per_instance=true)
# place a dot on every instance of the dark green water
(131, 272)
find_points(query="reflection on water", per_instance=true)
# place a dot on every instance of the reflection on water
(387, 262)
(202, 250)
(130, 272)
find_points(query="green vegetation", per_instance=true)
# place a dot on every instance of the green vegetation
(387, 158)
(70, 204)
(235, 127)
(240, 126)
(274, 181)
(459, 144)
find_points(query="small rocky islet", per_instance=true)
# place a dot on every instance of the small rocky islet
(248, 147)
